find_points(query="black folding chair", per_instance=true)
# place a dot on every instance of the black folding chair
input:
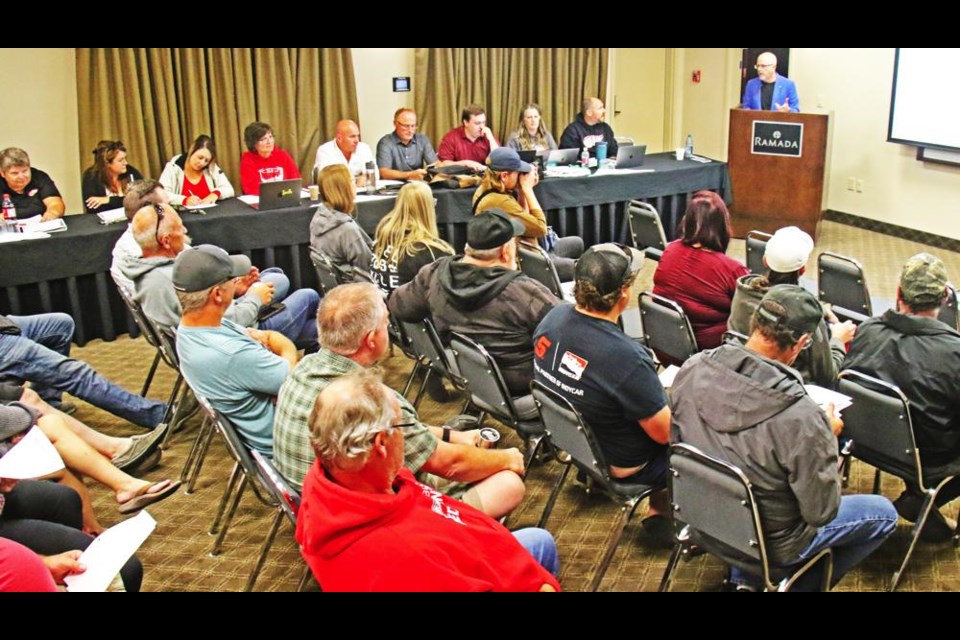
(146, 329)
(948, 310)
(566, 431)
(843, 285)
(666, 328)
(646, 229)
(327, 273)
(756, 242)
(714, 510)
(432, 356)
(536, 263)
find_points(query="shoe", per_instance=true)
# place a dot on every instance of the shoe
(142, 447)
(908, 506)
(660, 528)
(149, 464)
(146, 499)
(462, 422)
(437, 391)
(189, 408)
(937, 528)
(67, 407)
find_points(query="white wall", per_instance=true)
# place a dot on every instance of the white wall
(40, 114)
(374, 70)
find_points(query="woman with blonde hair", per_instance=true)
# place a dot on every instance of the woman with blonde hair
(333, 230)
(532, 135)
(407, 238)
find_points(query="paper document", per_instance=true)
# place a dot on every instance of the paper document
(700, 159)
(108, 553)
(668, 375)
(32, 457)
(194, 207)
(612, 171)
(366, 198)
(390, 183)
(823, 397)
(36, 224)
(249, 199)
(566, 172)
(20, 237)
(111, 216)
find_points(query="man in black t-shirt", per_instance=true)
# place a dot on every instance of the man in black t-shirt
(32, 191)
(581, 353)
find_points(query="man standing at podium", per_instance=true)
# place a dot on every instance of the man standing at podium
(770, 91)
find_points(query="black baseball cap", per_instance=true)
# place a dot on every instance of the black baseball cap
(492, 228)
(609, 266)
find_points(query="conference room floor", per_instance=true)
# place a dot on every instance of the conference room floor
(176, 556)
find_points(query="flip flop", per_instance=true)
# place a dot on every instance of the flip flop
(146, 499)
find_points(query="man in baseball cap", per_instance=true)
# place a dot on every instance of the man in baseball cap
(911, 348)
(205, 266)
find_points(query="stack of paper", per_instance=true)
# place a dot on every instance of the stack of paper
(37, 225)
(110, 216)
(824, 397)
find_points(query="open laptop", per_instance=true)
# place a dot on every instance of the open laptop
(534, 156)
(279, 195)
(630, 156)
(563, 157)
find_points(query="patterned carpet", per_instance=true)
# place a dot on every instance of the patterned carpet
(176, 557)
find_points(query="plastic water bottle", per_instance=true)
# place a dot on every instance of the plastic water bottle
(585, 157)
(9, 211)
(688, 148)
(371, 178)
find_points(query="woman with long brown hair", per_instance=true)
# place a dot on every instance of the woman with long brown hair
(107, 181)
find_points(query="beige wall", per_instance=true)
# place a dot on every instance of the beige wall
(703, 106)
(43, 121)
(638, 85)
(374, 70)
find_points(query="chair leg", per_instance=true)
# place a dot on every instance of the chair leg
(176, 403)
(153, 370)
(304, 579)
(423, 387)
(218, 543)
(553, 496)
(227, 492)
(533, 445)
(626, 510)
(876, 483)
(928, 504)
(671, 567)
(195, 450)
(413, 374)
(202, 456)
(264, 550)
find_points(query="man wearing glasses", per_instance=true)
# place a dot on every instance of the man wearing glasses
(403, 154)
(770, 91)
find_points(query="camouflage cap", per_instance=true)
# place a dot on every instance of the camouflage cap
(923, 280)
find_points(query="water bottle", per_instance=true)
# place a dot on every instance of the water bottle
(688, 148)
(585, 157)
(371, 178)
(9, 211)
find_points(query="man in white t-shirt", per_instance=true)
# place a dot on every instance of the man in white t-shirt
(346, 149)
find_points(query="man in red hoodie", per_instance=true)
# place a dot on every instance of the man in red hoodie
(365, 523)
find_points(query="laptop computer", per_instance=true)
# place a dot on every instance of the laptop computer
(279, 195)
(563, 157)
(534, 156)
(630, 156)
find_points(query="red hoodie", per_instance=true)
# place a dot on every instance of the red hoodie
(252, 164)
(415, 540)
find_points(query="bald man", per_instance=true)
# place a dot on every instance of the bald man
(346, 149)
(770, 91)
(589, 128)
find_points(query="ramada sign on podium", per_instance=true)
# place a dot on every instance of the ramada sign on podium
(777, 139)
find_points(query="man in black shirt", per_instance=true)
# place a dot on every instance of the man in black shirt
(31, 190)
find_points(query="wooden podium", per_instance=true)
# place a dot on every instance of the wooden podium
(777, 163)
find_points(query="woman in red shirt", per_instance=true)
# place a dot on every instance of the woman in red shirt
(264, 162)
(695, 271)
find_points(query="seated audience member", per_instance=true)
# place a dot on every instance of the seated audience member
(353, 328)
(239, 371)
(263, 161)
(81, 460)
(588, 129)
(581, 353)
(471, 142)
(23, 571)
(483, 296)
(108, 180)
(404, 154)
(334, 231)
(163, 237)
(770, 91)
(909, 347)
(346, 149)
(194, 177)
(508, 186)
(141, 193)
(365, 523)
(407, 239)
(786, 258)
(37, 349)
(531, 135)
(31, 191)
(745, 405)
(695, 271)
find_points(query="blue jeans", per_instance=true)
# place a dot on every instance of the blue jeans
(862, 524)
(279, 280)
(541, 546)
(298, 321)
(41, 355)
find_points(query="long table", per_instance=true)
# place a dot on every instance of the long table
(69, 272)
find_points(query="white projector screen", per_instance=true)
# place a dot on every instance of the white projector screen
(926, 95)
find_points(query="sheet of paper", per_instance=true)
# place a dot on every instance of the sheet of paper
(32, 457)
(366, 198)
(567, 172)
(13, 236)
(389, 183)
(194, 207)
(249, 199)
(823, 397)
(668, 375)
(612, 171)
(108, 553)
(111, 216)
(37, 225)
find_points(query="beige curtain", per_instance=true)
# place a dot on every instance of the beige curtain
(159, 100)
(502, 81)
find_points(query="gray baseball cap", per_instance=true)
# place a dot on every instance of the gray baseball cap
(205, 266)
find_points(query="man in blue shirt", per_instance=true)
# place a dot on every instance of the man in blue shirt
(770, 91)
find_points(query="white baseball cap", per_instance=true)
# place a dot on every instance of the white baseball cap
(788, 250)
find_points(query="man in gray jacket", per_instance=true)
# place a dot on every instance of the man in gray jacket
(747, 406)
(483, 296)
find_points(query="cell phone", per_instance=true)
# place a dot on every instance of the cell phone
(270, 310)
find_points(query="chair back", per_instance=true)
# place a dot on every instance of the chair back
(145, 326)
(425, 342)
(327, 273)
(568, 432)
(631, 324)
(646, 229)
(948, 310)
(879, 424)
(483, 379)
(843, 285)
(167, 337)
(235, 445)
(536, 263)
(756, 242)
(286, 496)
(666, 328)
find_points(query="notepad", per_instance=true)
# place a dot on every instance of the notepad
(111, 216)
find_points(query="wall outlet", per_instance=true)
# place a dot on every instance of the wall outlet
(851, 184)
(859, 186)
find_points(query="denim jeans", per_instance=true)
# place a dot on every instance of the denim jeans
(541, 546)
(298, 321)
(862, 524)
(41, 355)
(279, 280)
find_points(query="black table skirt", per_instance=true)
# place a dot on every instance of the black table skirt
(69, 272)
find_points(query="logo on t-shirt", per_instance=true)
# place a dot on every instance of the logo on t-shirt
(543, 345)
(271, 174)
(33, 192)
(572, 365)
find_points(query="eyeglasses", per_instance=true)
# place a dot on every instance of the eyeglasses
(402, 425)
(159, 210)
(403, 125)
(764, 66)
(265, 139)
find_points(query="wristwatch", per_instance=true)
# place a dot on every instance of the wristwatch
(446, 433)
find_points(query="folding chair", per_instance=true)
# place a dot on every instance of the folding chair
(146, 329)
(734, 337)
(756, 242)
(327, 273)
(666, 328)
(178, 396)
(624, 140)
(880, 430)
(432, 356)
(488, 393)
(646, 229)
(714, 510)
(536, 263)
(843, 285)
(948, 310)
(566, 431)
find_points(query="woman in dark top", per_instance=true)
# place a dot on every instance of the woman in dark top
(108, 180)
(407, 238)
(695, 271)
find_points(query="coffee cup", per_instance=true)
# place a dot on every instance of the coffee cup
(681, 152)
(314, 192)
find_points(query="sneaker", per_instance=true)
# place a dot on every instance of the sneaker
(140, 450)
(437, 391)
(660, 529)
(66, 407)
(189, 408)
(937, 528)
